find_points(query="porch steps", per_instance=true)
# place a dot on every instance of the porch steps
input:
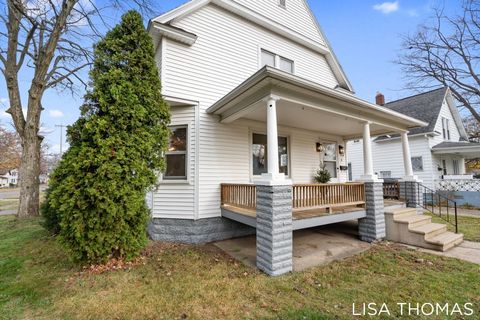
(406, 226)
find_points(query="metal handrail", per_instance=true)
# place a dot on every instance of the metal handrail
(424, 192)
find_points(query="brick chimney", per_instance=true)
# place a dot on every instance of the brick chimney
(380, 99)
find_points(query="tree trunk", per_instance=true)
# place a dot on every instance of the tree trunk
(29, 175)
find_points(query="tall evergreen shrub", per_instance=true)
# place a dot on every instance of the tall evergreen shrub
(96, 201)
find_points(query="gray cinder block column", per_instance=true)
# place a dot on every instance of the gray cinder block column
(274, 229)
(372, 227)
(411, 193)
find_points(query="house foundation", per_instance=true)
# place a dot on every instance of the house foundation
(196, 231)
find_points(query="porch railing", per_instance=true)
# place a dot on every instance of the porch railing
(305, 196)
(391, 190)
(239, 195)
(432, 201)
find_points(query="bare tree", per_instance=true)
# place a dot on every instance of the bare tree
(446, 51)
(10, 149)
(473, 129)
(54, 38)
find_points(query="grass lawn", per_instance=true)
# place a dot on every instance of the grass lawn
(8, 204)
(469, 226)
(37, 281)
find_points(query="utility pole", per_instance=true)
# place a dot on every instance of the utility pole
(61, 126)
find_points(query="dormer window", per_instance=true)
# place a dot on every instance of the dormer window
(282, 3)
(274, 60)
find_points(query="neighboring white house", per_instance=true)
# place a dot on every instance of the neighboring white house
(258, 100)
(438, 151)
(9, 178)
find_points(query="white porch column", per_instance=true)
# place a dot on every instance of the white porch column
(273, 172)
(409, 187)
(367, 154)
(372, 227)
(407, 157)
(274, 207)
(272, 137)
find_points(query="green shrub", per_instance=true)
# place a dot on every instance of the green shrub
(322, 175)
(97, 193)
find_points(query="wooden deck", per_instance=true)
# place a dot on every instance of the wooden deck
(308, 218)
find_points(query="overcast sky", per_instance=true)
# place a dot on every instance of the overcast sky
(365, 36)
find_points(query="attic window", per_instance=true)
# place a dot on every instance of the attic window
(282, 3)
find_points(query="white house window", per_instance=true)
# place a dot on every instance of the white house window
(282, 3)
(268, 58)
(456, 167)
(286, 65)
(259, 154)
(446, 128)
(274, 60)
(417, 163)
(176, 156)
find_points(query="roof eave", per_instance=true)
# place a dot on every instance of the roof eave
(173, 33)
(269, 72)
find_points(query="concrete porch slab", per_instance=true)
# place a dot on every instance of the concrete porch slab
(311, 247)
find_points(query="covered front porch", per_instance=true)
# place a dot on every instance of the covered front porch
(275, 202)
(312, 204)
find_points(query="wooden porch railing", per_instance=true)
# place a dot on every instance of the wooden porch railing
(305, 196)
(239, 195)
(329, 195)
(391, 190)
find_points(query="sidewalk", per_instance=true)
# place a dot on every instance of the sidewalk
(467, 251)
(460, 212)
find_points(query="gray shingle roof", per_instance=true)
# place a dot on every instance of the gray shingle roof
(451, 144)
(424, 106)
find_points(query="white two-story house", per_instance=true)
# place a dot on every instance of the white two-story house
(438, 151)
(258, 102)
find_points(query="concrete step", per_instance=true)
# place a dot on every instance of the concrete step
(446, 240)
(413, 220)
(401, 212)
(429, 230)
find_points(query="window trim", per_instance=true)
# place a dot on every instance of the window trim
(251, 132)
(186, 178)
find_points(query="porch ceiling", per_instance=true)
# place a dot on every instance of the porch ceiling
(307, 105)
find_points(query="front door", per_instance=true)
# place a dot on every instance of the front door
(329, 159)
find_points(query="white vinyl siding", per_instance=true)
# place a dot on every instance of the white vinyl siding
(176, 199)
(295, 15)
(226, 53)
(445, 114)
(387, 156)
(220, 61)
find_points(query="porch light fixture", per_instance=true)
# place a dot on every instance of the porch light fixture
(341, 150)
(319, 147)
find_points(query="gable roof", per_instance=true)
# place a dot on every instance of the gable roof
(254, 16)
(424, 106)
